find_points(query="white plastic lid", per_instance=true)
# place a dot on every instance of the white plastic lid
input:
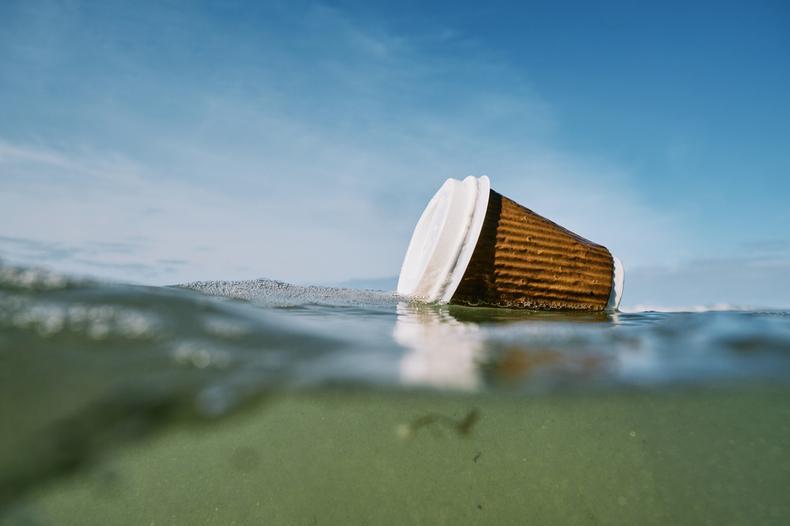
(444, 240)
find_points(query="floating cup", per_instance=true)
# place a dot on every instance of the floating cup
(474, 246)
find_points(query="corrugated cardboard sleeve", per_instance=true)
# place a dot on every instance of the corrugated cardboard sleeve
(523, 260)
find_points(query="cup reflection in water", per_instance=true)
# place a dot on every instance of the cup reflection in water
(441, 352)
(445, 349)
(474, 246)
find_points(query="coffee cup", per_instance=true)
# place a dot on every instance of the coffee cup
(474, 246)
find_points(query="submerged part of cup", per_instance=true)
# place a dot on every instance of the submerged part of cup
(474, 246)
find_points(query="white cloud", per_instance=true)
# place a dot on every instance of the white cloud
(311, 161)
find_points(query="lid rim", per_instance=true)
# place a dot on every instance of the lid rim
(451, 243)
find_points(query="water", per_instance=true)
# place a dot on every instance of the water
(263, 402)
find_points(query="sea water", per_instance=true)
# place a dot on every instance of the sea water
(266, 403)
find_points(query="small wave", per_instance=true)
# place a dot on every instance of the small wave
(715, 307)
(34, 279)
(272, 293)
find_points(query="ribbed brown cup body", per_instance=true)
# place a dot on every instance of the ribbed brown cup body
(524, 260)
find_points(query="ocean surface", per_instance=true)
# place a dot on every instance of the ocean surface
(260, 402)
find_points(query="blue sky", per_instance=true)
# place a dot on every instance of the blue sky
(171, 141)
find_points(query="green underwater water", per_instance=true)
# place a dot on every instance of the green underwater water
(267, 403)
(718, 456)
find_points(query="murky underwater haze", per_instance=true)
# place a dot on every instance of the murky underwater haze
(250, 402)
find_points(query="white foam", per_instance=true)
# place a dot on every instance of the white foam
(716, 307)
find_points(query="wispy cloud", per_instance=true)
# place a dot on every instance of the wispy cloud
(304, 153)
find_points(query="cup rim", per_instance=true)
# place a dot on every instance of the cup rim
(442, 245)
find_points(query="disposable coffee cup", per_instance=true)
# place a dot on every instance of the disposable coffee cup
(474, 246)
